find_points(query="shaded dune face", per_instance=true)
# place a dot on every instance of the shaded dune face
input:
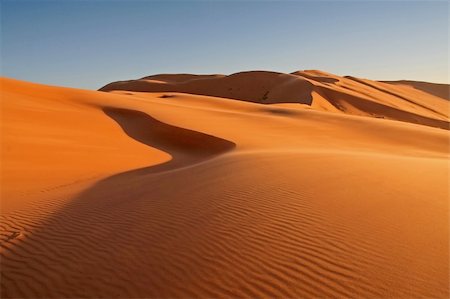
(185, 146)
(439, 90)
(256, 86)
(408, 101)
(357, 105)
(386, 90)
(174, 78)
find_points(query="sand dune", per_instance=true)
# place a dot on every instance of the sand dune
(409, 101)
(167, 194)
(256, 86)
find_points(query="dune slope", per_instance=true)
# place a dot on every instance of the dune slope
(174, 195)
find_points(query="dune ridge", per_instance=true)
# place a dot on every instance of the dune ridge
(185, 146)
(174, 195)
(409, 101)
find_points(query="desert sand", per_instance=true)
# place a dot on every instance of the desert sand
(253, 185)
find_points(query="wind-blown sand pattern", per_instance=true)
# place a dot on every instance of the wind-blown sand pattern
(168, 187)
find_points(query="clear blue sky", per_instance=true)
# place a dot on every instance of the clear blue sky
(87, 44)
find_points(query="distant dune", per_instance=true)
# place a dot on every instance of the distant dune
(186, 186)
(416, 102)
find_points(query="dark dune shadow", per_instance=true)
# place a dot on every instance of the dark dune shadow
(437, 89)
(279, 111)
(394, 94)
(321, 79)
(167, 96)
(379, 110)
(185, 146)
(226, 87)
(110, 240)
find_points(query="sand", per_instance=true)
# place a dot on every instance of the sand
(338, 188)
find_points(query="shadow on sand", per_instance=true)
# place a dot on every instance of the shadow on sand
(186, 147)
(111, 239)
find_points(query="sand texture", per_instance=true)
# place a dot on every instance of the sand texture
(253, 185)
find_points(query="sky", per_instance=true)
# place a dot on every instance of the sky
(87, 44)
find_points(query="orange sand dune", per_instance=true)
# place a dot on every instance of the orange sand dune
(409, 101)
(165, 194)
